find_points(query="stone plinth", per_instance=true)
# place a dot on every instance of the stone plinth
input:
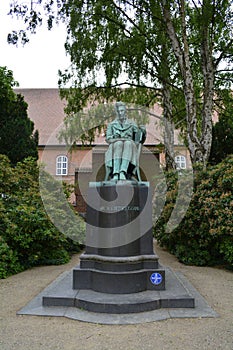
(119, 255)
(119, 273)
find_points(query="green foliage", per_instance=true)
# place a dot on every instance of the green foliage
(205, 235)
(17, 139)
(9, 263)
(223, 130)
(185, 51)
(84, 125)
(54, 195)
(27, 235)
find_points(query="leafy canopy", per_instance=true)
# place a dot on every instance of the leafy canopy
(17, 137)
(146, 44)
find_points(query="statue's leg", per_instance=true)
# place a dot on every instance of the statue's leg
(117, 154)
(126, 157)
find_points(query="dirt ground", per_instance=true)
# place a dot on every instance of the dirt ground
(55, 333)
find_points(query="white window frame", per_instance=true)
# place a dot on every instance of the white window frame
(180, 161)
(62, 165)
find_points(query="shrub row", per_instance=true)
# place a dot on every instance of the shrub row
(27, 235)
(205, 235)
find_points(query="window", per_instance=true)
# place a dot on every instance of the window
(180, 162)
(62, 165)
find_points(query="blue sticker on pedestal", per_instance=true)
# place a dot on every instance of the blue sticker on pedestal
(156, 278)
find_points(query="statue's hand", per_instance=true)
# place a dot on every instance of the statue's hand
(120, 139)
(142, 127)
(113, 140)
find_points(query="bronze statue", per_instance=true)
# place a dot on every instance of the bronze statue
(125, 139)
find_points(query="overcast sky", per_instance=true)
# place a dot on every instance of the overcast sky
(36, 64)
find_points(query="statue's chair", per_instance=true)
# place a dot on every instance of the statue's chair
(138, 139)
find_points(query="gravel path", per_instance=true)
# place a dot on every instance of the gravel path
(55, 333)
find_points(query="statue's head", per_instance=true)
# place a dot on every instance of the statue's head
(120, 108)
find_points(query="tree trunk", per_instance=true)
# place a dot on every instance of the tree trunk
(199, 147)
(208, 70)
(168, 129)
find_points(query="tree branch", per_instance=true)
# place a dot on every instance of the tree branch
(223, 54)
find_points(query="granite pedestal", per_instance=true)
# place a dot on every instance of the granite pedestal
(119, 271)
(119, 257)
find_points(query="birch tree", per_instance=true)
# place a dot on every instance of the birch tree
(174, 47)
(208, 22)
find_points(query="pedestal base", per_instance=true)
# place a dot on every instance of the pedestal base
(117, 282)
(176, 295)
(59, 299)
(119, 256)
(119, 271)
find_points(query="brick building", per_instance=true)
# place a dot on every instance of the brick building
(85, 163)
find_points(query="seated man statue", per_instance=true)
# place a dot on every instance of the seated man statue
(124, 138)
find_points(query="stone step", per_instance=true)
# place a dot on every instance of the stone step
(176, 295)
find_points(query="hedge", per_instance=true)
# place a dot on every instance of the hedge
(27, 236)
(205, 235)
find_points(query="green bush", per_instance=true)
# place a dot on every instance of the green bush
(28, 237)
(205, 235)
(9, 263)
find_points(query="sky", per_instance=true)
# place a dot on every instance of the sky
(36, 64)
